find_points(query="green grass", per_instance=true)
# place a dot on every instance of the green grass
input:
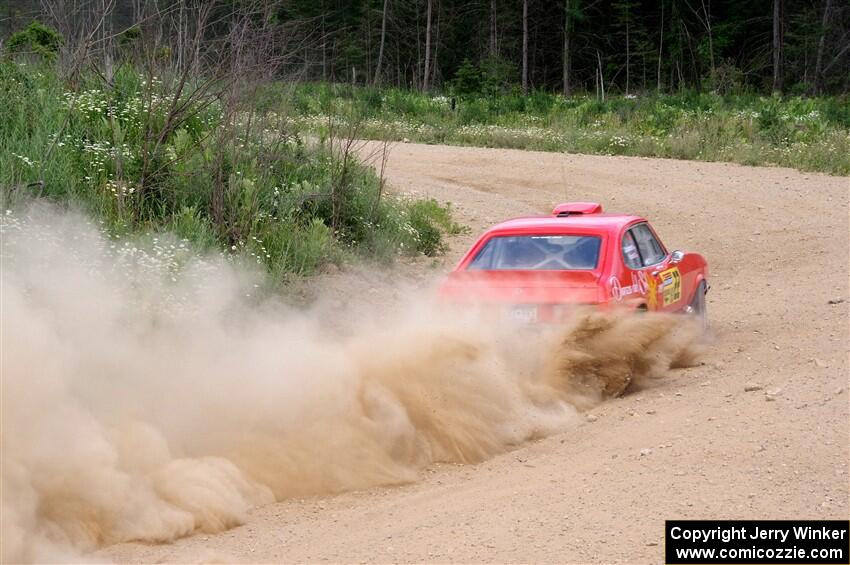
(810, 134)
(244, 183)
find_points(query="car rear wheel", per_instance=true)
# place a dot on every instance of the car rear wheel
(697, 306)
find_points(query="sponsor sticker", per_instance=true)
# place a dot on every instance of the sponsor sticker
(652, 293)
(671, 285)
(639, 286)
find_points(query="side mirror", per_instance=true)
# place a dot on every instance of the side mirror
(677, 256)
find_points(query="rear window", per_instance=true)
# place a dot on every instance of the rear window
(538, 253)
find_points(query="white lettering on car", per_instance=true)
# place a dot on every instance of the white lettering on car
(639, 286)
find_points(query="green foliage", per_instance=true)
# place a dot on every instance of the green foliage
(431, 220)
(129, 36)
(468, 79)
(803, 132)
(36, 38)
(494, 75)
(726, 78)
(190, 225)
(260, 193)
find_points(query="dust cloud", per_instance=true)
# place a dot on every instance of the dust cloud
(147, 394)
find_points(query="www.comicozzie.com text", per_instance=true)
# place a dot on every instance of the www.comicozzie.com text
(743, 532)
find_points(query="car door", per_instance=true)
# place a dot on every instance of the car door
(663, 277)
(663, 280)
(629, 284)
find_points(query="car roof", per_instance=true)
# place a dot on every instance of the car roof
(602, 223)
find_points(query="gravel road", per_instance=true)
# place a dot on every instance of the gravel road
(698, 444)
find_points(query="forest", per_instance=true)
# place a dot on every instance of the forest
(624, 46)
(566, 46)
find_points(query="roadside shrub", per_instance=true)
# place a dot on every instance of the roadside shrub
(430, 220)
(248, 187)
(772, 125)
(468, 79)
(37, 39)
(726, 78)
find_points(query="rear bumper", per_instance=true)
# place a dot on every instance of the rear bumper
(524, 313)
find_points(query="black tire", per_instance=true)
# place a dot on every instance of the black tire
(698, 306)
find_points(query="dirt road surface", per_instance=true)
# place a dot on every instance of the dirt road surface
(777, 243)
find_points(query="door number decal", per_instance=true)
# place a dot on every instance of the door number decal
(671, 285)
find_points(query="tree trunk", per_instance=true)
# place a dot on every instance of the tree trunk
(596, 81)
(427, 74)
(525, 47)
(806, 61)
(377, 78)
(628, 53)
(601, 76)
(106, 40)
(493, 28)
(398, 68)
(705, 11)
(436, 49)
(181, 29)
(368, 66)
(821, 45)
(566, 58)
(324, 52)
(660, 47)
(416, 72)
(676, 76)
(777, 45)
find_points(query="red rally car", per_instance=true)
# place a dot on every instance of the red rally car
(537, 268)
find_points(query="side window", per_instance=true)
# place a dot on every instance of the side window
(630, 252)
(650, 249)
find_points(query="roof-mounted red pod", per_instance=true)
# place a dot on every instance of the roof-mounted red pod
(571, 208)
